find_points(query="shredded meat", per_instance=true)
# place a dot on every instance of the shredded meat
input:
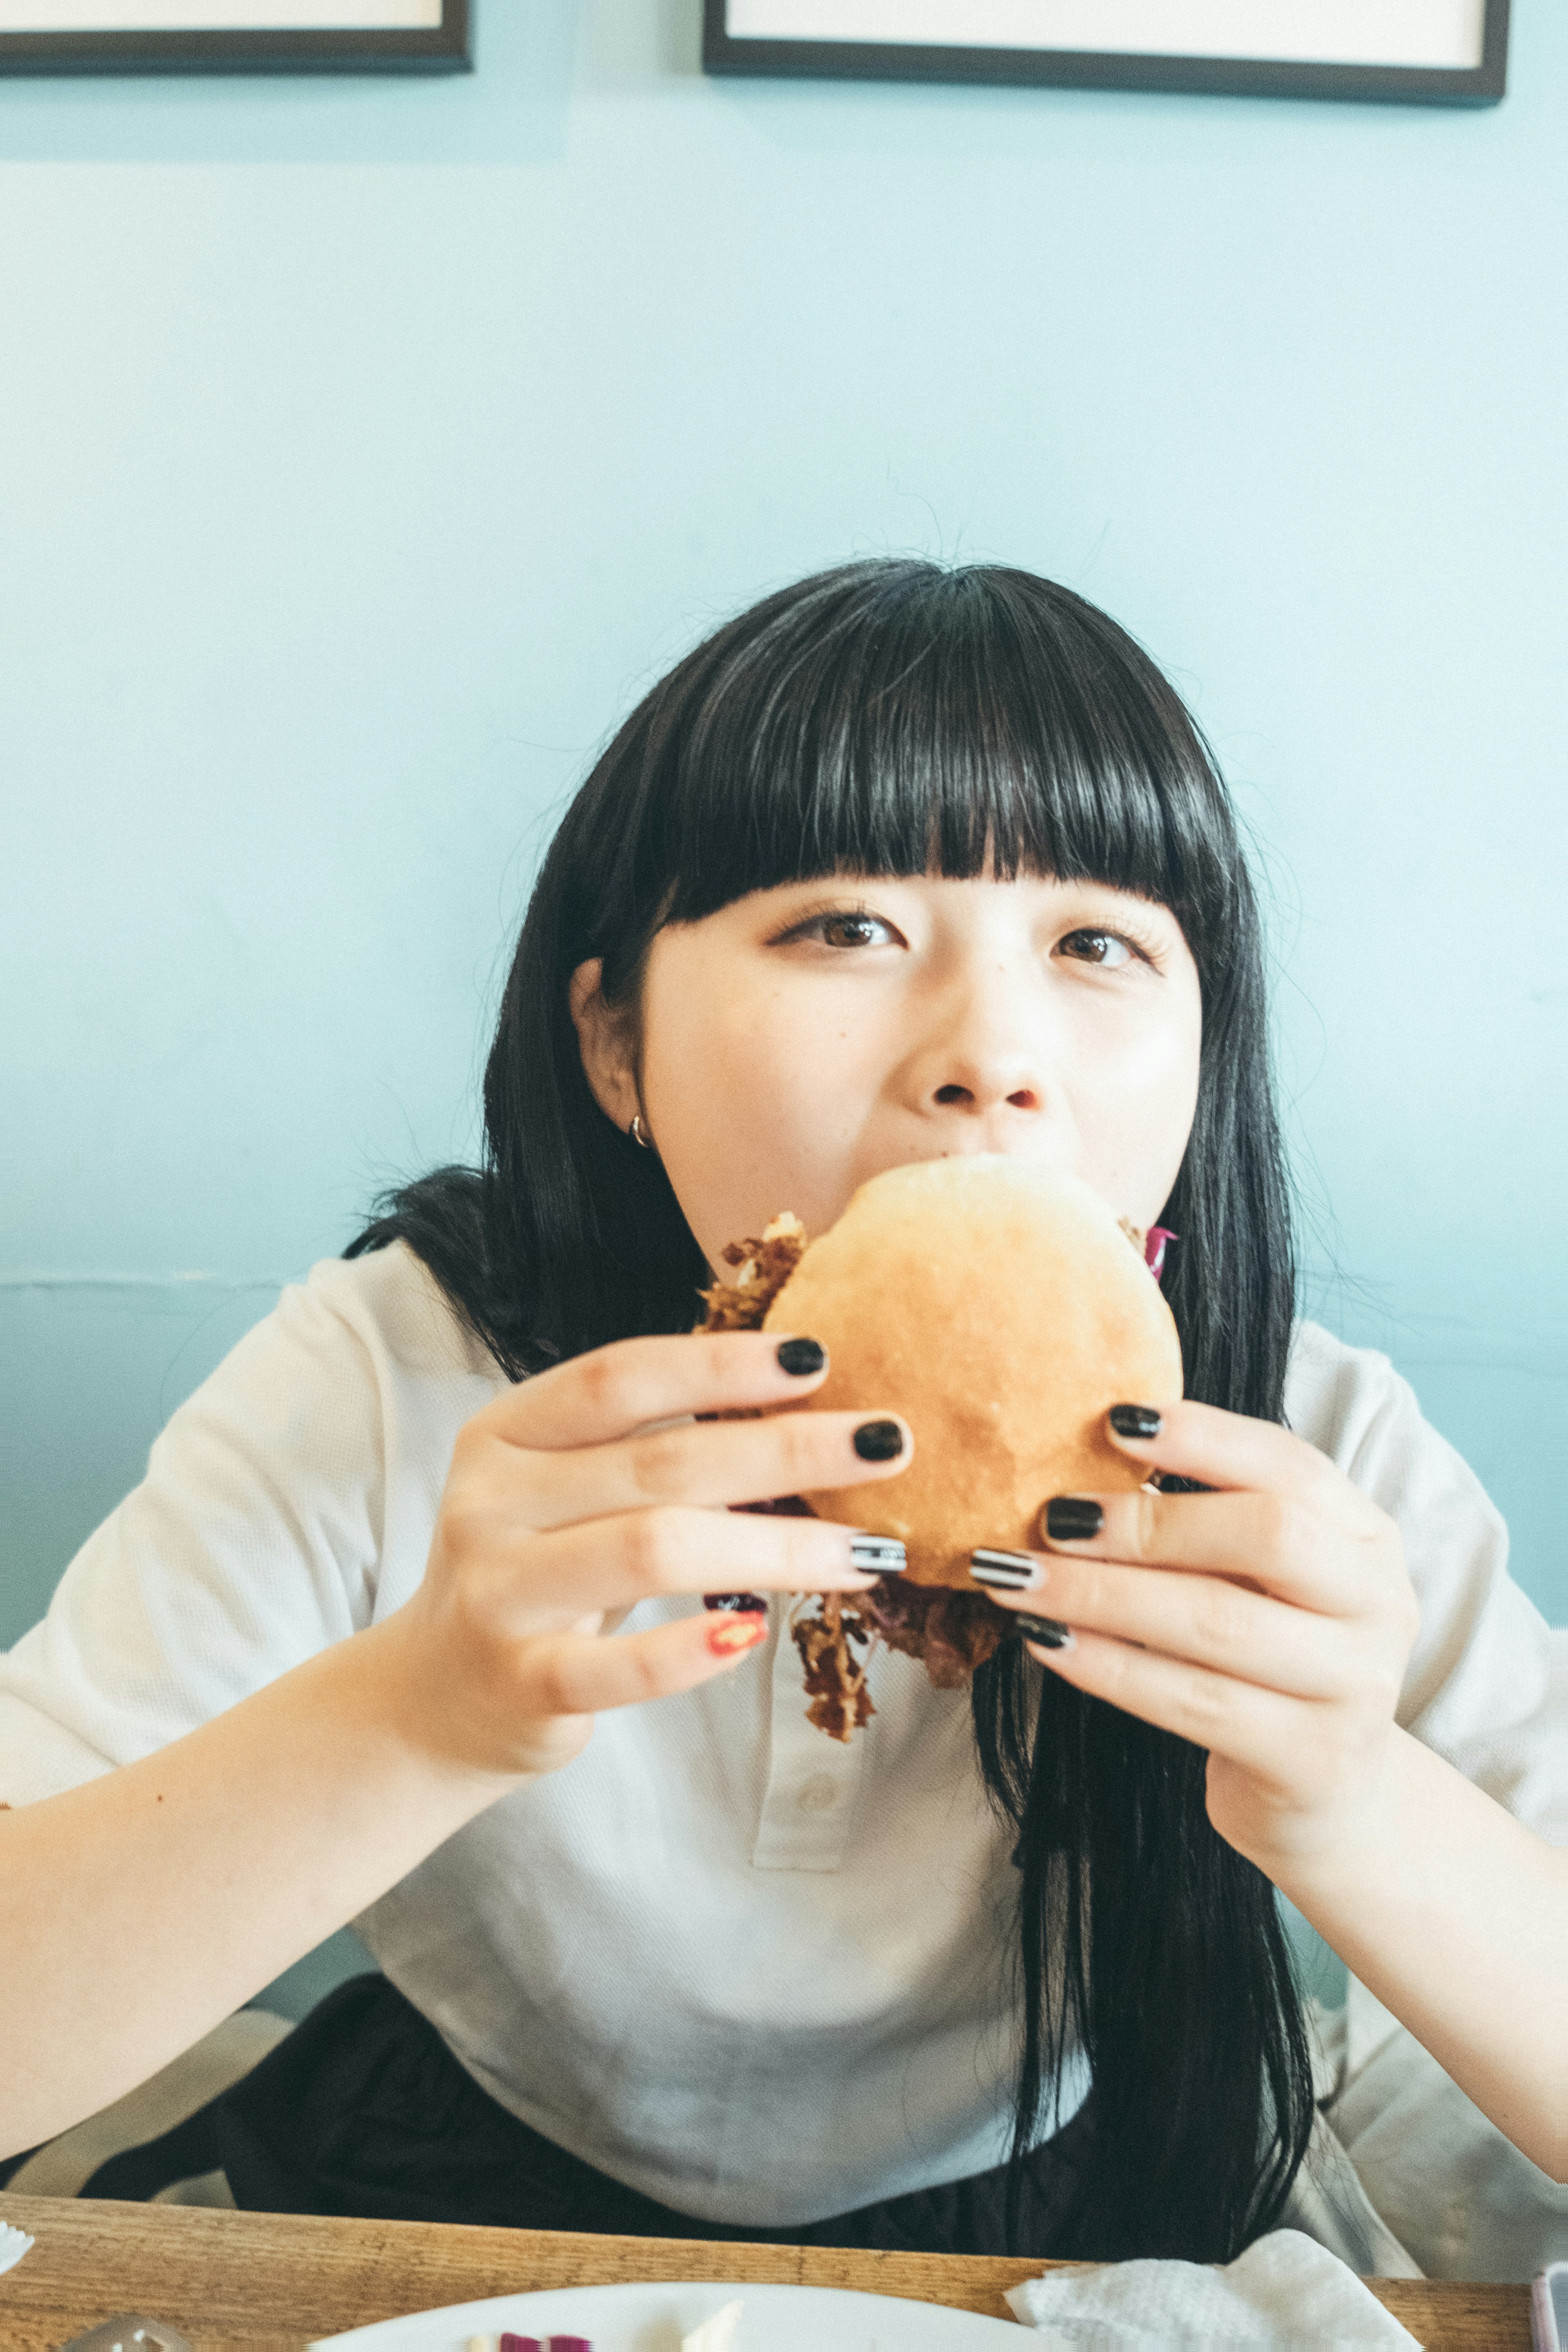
(766, 1262)
(828, 1642)
(952, 1632)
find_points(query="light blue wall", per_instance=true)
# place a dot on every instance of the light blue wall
(366, 448)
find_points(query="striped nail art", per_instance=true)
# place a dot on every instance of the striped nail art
(878, 1555)
(1004, 1572)
(1048, 1632)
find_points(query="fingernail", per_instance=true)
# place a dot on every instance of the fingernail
(800, 1357)
(1048, 1632)
(1136, 1420)
(734, 1600)
(729, 1634)
(878, 1441)
(1073, 1519)
(1004, 1572)
(878, 1555)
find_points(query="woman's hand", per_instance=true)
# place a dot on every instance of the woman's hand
(1268, 1621)
(570, 1499)
(149, 1903)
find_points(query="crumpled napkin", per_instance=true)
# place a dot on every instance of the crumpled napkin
(13, 2244)
(718, 2334)
(1284, 2291)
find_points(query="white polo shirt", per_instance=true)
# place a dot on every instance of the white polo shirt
(754, 1974)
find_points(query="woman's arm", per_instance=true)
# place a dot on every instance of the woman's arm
(1268, 1621)
(1456, 1916)
(138, 1910)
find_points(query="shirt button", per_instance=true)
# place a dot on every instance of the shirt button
(818, 1795)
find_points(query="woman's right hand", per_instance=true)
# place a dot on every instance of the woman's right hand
(568, 1502)
(149, 1903)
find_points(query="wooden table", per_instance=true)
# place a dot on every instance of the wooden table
(269, 2281)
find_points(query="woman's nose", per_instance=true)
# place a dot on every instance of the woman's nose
(983, 1055)
(976, 1086)
(985, 1040)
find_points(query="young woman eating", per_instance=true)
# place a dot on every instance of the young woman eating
(404, 1625)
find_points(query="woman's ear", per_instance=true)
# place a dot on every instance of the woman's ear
(607, 1041)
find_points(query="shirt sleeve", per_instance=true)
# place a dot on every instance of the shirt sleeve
(1487, 1684)
(252, 1543)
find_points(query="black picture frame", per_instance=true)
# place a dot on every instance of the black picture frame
(1241, 76)
(246, 49)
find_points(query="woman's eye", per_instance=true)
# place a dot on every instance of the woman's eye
(1107, 947)
(850, 930)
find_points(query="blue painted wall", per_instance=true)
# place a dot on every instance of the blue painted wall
(366, 447)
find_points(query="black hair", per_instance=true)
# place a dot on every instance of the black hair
(893, 718)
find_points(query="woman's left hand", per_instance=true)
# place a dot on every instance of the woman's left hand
(1268, 1621)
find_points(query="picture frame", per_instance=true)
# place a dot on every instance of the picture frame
(1421, 52)
(217, 36)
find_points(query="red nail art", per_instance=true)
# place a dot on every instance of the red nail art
(726, 1635)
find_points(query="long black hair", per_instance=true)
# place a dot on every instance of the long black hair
(893, 718)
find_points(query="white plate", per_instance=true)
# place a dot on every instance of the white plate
(653, 2318)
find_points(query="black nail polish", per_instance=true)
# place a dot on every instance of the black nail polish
(1136, 1420)
(742, 1603)
(1048, 1632)
(879, 1555)
(1003, 1571)
(1073, 1519)
(878, 1441)
(800, 1357)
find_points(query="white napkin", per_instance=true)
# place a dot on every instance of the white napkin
(1286, 2290)
(13, 2244)
(715, 2335)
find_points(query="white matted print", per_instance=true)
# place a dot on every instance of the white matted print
(1429, 50)
(231, 35)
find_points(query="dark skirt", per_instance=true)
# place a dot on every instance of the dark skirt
(363, 2110)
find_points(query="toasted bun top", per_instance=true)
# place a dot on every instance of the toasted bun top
(1001, 1310)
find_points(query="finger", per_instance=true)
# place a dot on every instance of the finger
(570, 1674)
(1198, 1619)
(1228, 1450)
(1260, 1730)
(613, 1563)
(611, 1390)
(1283, 1542)
(706, 1464)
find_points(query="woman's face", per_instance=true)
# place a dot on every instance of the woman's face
(804, 1038)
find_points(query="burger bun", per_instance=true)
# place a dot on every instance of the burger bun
(1001, 1310)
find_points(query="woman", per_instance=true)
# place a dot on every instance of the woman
(899, 863)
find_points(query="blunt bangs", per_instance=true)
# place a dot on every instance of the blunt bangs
(890, 717)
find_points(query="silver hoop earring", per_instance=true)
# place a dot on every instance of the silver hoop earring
(639, 1133)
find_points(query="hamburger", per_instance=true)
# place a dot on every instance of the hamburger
(1002, 1310)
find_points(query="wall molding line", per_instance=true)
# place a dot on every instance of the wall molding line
(193, 1279)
